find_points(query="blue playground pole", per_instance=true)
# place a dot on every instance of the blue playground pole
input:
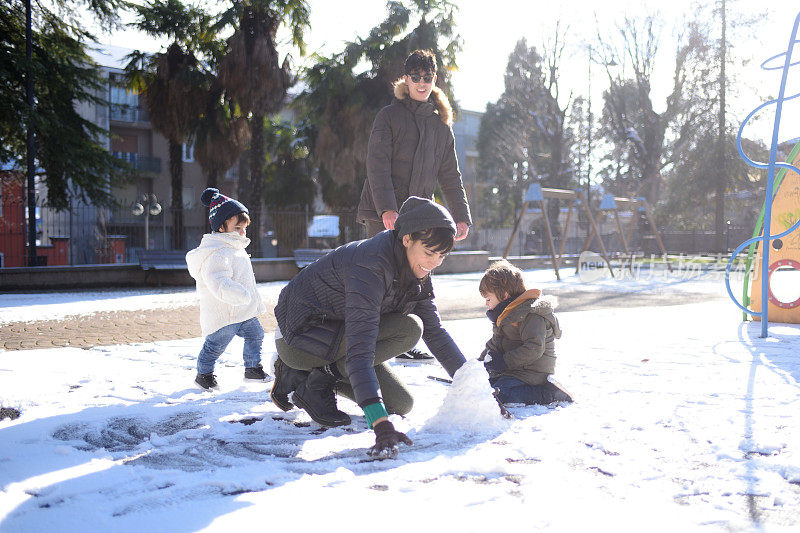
(766, 238)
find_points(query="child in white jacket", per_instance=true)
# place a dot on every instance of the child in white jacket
(226, 286)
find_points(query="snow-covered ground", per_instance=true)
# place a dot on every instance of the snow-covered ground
(685, 420)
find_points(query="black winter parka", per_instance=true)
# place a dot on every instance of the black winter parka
(345, 293)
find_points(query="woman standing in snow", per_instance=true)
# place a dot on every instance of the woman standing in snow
(342, 317)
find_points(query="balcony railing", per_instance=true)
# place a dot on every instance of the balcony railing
(139, 162)
(127, 113)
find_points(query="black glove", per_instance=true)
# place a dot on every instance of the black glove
(386, 440)
(496, 364)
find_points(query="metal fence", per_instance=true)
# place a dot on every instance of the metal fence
(85, 234)
(287, 230)
(82, 234)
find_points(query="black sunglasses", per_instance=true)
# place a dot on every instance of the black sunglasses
(427, 78)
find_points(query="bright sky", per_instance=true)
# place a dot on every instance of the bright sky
(489, 35)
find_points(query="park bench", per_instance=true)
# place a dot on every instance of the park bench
(153, 260)
(305, 256)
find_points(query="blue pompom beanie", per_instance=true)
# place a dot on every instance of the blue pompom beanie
(221, 207)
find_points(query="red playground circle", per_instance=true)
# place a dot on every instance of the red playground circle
(772, 268)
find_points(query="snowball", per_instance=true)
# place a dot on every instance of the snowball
(468, 405)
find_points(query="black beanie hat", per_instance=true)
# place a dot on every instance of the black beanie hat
(417, 214)
(221, 207)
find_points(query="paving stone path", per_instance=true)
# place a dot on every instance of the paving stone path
(149, 325)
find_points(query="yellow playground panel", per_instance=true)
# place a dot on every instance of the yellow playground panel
(784, 256)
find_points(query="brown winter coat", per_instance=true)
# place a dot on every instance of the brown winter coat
(411, 147)
(524, 335)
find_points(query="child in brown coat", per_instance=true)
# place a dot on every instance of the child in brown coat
(520, 356)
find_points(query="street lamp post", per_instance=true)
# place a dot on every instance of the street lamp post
(31, 139)
(147, 205)
(589, 137)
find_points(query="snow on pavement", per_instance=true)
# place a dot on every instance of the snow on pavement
(26, 307)
(684, 420)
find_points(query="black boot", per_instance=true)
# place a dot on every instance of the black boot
(255, 373)
(206, 381)
(316, 395)
(286, 380)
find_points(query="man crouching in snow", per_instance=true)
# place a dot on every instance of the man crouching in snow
(345, 315)
(520, 356)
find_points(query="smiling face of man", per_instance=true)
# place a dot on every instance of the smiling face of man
(421, 259)
(420, 84)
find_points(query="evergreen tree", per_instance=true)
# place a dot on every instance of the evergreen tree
(71, 159)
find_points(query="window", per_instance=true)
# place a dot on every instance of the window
(188, 152)
(126, 147)
(188, 197)
(124, 104)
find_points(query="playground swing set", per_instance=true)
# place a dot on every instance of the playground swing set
(616, 205)
(536, 195)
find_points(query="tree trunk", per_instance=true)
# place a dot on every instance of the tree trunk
(556, 180)
(176, 207)
(212, 178)
(257, 177)
(654, 187)
(719, 193)
(243, 182)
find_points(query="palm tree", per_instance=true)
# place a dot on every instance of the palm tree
(172, 84)
(221, 136)
(251, 74)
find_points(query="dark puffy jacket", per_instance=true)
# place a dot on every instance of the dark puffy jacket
(525, 335)
(411, 149)
(345, 293)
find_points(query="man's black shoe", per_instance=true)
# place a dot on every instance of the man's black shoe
(316, 395)
(206, 381)
(255, 373)
(286, 380)
(415, 355)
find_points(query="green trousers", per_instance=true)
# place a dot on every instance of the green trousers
(397, 333)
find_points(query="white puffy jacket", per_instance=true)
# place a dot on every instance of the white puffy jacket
(226, 284)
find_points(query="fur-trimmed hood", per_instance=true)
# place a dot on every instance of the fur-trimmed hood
(439, 100)
(532, 301)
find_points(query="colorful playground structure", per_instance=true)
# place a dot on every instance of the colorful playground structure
(785, 252)
(781, 210)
